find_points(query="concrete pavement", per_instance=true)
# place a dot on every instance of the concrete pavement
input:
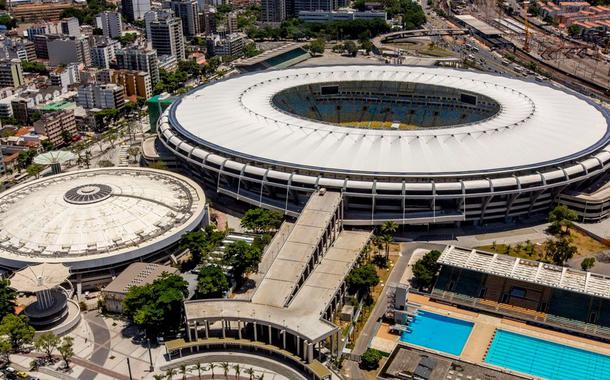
(371, 326)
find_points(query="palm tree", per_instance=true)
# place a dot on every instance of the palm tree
(158, 377)
(250, 372)
(261, 377)
(237, 369)
(389, 227)
(377, 243)
(225, 368)
(200, 367)
(183, 370)
(386, 240)
(170, 373)
(212, 366)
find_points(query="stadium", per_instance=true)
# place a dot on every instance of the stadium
(97, 221)
(415, 145)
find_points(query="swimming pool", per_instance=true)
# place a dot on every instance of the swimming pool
(546, 359)
(438, 332)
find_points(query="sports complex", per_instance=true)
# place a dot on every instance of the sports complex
(408, 144)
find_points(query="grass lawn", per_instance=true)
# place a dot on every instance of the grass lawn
(586, 245)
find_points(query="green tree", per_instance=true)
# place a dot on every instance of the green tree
(200, 367)
(212, 366)
(46, 145)
(211, 282)
(243, 258)
(47, 343)
(34, 170)
(16, 330)
(183, 370)
(250, 50)
(574, 30)
(316, 47)
(66, 349)
(34, 67)
(560, 250)
(8, 21)
(424, 269)
(350, 48)
(587, 263)
(370, 359)
(225, 368)
(127, 38)
(5, 350)
(250, 372)
(561, 219)
(7, 298)
(260, 219)
(366, 45)
(237, 369)
(157, 307)
(361, 279)
(195, 242)
(25, 158)
(105, 164)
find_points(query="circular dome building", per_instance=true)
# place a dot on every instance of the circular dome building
(98, 221)
(409, 144)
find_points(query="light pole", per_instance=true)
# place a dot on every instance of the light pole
(151, 368)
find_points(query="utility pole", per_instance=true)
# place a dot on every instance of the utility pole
(129, 368)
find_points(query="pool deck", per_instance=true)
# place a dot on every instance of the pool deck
(483, 331)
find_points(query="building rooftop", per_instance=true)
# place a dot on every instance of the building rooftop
(96, 217)
(479, 25)
(535, 272)
(536, 126)
(138, 274)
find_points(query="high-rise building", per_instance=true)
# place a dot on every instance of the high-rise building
(63, 51)
(273, 11)
(139, 59)
(11, 74)
(101, 96)
(135, 9)
(229, 45)
(65, 76)
(164, 31)
(104, 53)
(188, 11)
(70, 27)
(55, 124)
(135, 83)
(110, 23)
(312, 5)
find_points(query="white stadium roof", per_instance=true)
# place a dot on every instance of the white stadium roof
(537, 125)
(96, 217)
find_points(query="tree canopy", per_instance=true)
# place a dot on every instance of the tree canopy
(201, 243)
(157, 307)
(424, 269)
(34, 67)
(317, 46)
(560, 250)
(7, 298)
(47, 343)
(242, 257)
(361, 279)
(561, 219)
(260, 219)
(211, 282)
(370, 359)
(16, 330)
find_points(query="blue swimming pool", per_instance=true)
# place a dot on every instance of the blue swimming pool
(546, 359)
(438, 332)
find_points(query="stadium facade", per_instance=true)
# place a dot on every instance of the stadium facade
(410, 144)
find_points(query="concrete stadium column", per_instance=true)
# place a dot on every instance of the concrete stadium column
(309, 352)
(239, 328)
(188, 330)
(270, 329)
(298, 344)
(196, 334)
(332, 344)
(255, 332)
(338, 339)
(207, 329)
(224, 333)
(283, 332)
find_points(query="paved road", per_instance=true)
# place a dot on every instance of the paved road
(372, 324)
(89, 367)
(101, 344)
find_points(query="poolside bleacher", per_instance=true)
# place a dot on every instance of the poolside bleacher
(562, 298)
